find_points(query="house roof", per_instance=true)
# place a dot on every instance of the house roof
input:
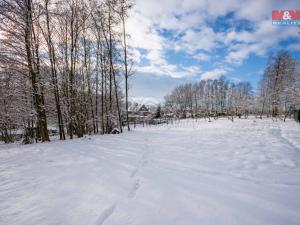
(143, 108)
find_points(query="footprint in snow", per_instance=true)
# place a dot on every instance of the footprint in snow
(134, 189)
(134, 172)
(105, 214)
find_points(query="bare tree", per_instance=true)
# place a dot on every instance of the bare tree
(68, 59)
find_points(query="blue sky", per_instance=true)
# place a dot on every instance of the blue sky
(178, 41)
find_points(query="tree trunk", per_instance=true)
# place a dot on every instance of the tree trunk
(42, 131)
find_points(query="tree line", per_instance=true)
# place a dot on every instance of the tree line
(63, 63)
(278, 94)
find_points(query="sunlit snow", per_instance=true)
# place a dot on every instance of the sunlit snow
(186, 173)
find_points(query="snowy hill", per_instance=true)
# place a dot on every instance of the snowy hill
(188, 173)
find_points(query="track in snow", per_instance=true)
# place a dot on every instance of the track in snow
(246, 172)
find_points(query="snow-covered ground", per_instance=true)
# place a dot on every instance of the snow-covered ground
(188, 173)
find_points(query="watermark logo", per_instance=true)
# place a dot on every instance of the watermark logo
(286, 17)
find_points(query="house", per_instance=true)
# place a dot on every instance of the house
(143, 111)
(138, 113)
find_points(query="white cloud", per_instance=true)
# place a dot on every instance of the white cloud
(175, 71)
(156, 57)
(135, 55)
(182, 23)
(264, 37)
(295, 46)
(215, 73)
(192, 69)
(187, 20)
(147, 100)
(142, 33)
(192, 41)
(202, 56)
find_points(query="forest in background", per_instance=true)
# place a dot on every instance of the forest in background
(278, 94)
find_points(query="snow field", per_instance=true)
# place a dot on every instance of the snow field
(187, 173)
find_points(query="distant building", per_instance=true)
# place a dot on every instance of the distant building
(143, 111)
(138, 113)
